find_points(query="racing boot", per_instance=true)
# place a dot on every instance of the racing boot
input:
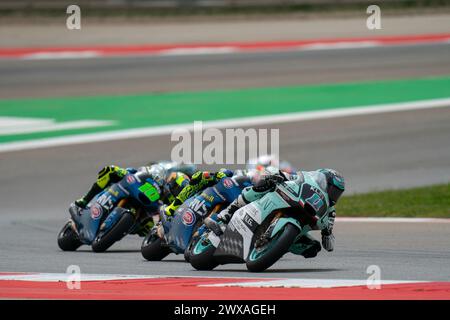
(82, 202)
(215, 226)
(145, 228)
(219, 224)
(313, 249)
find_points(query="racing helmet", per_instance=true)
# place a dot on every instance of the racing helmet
(173, 185)
(263, 162)
(173, 166)
(335, 184)
(158, 174)
(287, 167)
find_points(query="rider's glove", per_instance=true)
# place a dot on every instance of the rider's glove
(168, 210)
(331, 219)
(327, 240)
(201, 178)
(223, 172)
(219, 175)
(206, 177)
(267, 183)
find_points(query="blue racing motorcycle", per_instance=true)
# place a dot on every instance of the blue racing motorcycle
(177, 234)
(121, 209)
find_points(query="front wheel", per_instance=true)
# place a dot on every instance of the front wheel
(68, 239)
(201, 255)
(103, 241)
(264, 256)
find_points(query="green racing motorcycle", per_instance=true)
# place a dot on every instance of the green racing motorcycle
(261, 232)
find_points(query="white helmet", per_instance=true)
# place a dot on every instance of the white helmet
(158, 173)
(263, 162)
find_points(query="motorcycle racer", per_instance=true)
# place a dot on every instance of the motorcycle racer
(199, 181)
(105, 177)
(113, 174)
(265, 161)
(330, 181)
(170, 183)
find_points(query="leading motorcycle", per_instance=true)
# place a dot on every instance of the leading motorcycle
(261, 232)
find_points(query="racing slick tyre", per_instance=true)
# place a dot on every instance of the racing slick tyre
(187, 252)
(152, 248)
(263, 257)
(202, 255)
(68, 239)
(105, 240)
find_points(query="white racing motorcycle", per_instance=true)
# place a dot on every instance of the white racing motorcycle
(260, 233)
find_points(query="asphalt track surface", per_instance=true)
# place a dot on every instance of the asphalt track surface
(127, 75)
(374, 152)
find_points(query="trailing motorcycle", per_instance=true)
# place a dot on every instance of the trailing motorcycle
(115, 212)
(176, 234)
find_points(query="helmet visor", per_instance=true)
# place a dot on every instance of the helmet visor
(334, 193)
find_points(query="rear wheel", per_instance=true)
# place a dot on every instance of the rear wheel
(202, 255)
(264, 256)
(68, 239)
(153, 249)
(105, 240)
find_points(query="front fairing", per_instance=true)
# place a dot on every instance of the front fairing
(179, 231)
(237, 240)
(101, 207)
(142, 189)
(96, 212)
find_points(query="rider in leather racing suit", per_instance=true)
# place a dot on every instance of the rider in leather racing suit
(199, 181)
(331, 181)
(166, 175)
(173, 178)
(176, 185)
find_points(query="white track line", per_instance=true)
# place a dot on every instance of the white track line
(45, 55)
(18, 125)
(226, 49)
(55, 277)
(240, 281)
(392, 220)
(238, 122)
(306, 283)
(342, 45)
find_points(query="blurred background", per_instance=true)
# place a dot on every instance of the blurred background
(70, 99)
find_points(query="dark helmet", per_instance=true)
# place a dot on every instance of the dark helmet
(175, 182)
(335, 184)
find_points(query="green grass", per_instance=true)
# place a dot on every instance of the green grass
(431, 201)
